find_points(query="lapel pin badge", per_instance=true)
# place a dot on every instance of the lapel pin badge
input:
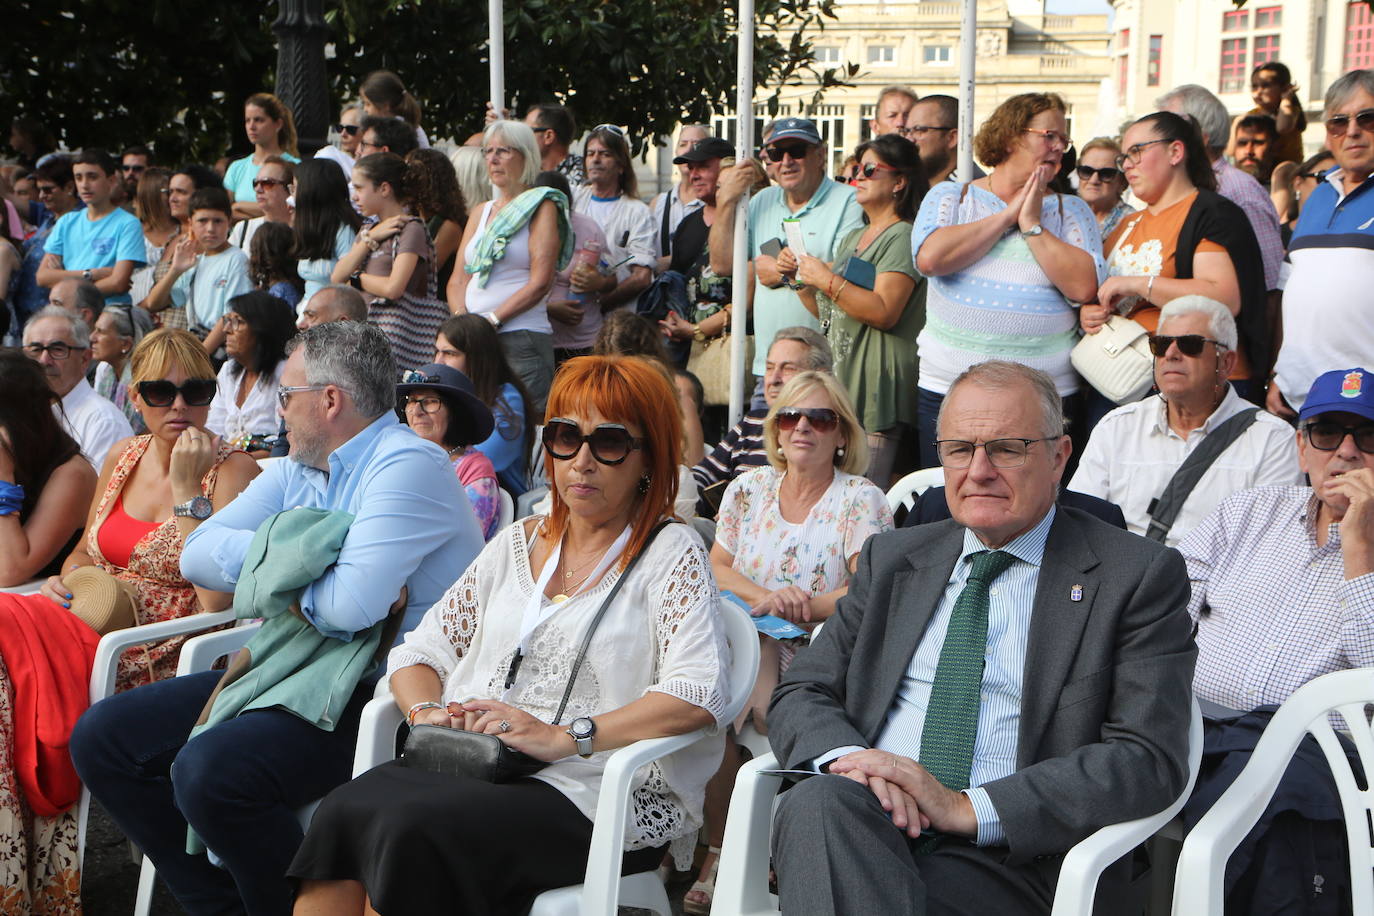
(1076, 593)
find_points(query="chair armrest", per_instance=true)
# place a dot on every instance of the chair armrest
(107, 654)
(601, 884)
(376, 734)
(25, 588)
(742, 878)
(200, 652)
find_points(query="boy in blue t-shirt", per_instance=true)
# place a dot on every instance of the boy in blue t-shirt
(206, 271)
(101, 242)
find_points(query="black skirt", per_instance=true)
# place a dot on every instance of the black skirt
(422, 843)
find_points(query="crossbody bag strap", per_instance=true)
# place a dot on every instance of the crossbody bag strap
(1165, 508)
(664, 236)
(601, 612)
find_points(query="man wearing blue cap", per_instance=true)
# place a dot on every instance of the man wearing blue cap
(1283, 592)
(825, 211)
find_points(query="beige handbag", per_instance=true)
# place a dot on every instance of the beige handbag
(1117, 360)
(710, 363)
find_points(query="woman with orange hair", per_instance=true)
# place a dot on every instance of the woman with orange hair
(495, 656)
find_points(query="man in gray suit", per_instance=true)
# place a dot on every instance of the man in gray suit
(1035, 660)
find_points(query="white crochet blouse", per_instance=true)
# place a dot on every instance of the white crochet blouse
(661, 633)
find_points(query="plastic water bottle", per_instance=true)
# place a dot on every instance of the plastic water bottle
(590, 254)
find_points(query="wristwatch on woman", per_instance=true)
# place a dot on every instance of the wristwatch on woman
(197, 507)
(582, 730)
(495, 322)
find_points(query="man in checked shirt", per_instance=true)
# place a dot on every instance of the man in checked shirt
(1283, 592)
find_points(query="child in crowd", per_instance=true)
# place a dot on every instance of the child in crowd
(271, 265)
(206, 271)
(100, 242)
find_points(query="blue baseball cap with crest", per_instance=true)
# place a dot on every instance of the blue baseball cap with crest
(1340, 391)
(794, 128)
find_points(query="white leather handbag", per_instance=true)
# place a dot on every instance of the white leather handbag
(1117, 360)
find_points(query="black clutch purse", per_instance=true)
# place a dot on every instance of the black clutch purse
(454, 752)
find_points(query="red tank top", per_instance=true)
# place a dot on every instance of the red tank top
(121, 532)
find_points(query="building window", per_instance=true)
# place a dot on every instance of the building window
(1123, 63)
(1269, 17)
(1235, 21)
(828, 54)
(936, 54)
(1359, 36)
(1266, 49)
(882, 54)
(1152, 62)
(1233, 70)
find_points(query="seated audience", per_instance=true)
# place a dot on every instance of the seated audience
(271, 128)
(117, 331)
(405, 530)
(1026, 253)
(205, 272)
(788, 538)
(100, 242)
(272, 194)
(439, 403)
(933, 506)
(145, 477)
(56, 190)
(271, 266)
(793, 350)
(183, 183)
(244, 413)
(332, 303)
(435, 198)
(1281, 594)
(1138, 451)
(392, 260)
(468, 343)
(574, 315)
(382, 94)
(1101, 183)
(45, 484)
(1015, 766)
(512, 248)
(159, 228)
(1189, 240)
(657, 666)
(325, 222)
(61, 345)
(80, 297)
(873, 332)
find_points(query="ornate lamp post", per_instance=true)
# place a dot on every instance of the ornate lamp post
(300, 31)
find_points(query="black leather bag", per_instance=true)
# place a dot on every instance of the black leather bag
(454, 752)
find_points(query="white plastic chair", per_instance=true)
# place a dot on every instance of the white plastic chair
(24, 588)
(507, 513)
(742, 882)
(265, 463)
(603, 887)
(904, 492)
(524, 506)
(105, 669)
(1199, 885)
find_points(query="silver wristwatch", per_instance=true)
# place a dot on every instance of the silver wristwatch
(582, 730)
(197, 507)
(1032, 231)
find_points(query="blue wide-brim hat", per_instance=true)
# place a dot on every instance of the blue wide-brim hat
(466, 409)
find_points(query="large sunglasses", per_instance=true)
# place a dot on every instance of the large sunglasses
(611, 443)
(869, 169)
(196, 392)
(797, 151)
(1337, 125)
(349, 129)
(1188, 344)
(1328, 435)
(1105, 174)
(821, 419)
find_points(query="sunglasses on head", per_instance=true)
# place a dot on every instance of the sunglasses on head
(1107, 173)
(1328, 435)
(349, 129)
(611, 443)
(795, 150)
(1188, 344)
(1337, 125)
(821, 419)
(196, 392)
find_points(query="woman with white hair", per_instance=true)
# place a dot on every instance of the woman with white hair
(117, 331)
(512, 248)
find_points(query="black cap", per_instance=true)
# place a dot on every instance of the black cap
(702, 150)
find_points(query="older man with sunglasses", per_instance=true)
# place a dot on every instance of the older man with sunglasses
(1326, 318)
(1198, 430)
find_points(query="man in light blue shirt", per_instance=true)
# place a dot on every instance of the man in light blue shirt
(237, 784)
(992, 690)
(825, 209)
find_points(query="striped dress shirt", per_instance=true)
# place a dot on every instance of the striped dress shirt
(1010, 600)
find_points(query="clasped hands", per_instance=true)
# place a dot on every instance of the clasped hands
(526, 733)
(914, 799)
(808, 270)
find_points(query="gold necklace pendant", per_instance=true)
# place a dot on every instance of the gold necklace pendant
(559, 598)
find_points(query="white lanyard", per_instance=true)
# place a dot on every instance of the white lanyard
(535, 610)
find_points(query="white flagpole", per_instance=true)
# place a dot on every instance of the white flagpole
(968, 33)
(744, 142)
(496, 50)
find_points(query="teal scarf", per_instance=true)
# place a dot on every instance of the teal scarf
(491, 246)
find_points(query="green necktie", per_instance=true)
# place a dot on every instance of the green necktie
(952, 713)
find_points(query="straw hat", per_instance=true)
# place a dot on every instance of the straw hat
(104, 602)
